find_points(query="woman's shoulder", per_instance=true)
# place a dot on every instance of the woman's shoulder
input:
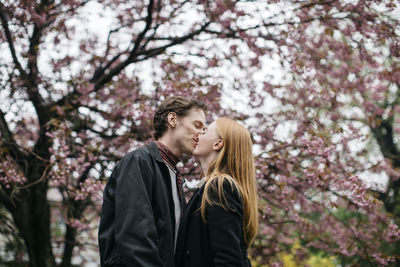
(224, 182)
(223, 189)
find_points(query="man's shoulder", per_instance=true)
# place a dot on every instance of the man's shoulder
(141, 152)
(146, 155)
(141, 155)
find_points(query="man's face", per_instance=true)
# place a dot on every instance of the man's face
(188, 129)
(207, 142)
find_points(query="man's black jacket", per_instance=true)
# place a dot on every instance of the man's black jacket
(137, 222)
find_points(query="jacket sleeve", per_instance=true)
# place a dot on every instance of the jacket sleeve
(225, 229)
(135, 229)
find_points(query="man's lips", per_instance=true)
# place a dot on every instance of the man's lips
(196, 141)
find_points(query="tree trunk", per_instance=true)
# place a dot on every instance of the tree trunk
(391, 198)
(69, 246)
(31, 213)
(32, 218)
(384, 136)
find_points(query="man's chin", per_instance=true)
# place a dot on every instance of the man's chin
(191, 152)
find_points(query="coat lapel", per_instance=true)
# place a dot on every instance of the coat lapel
(183, 225)
(167, 178)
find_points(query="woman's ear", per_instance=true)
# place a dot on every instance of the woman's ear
(218, 144)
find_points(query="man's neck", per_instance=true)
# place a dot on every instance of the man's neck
(169, 144)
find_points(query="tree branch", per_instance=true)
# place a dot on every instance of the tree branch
(146, 54)
(101, 69)
(68, 10)
(171, 15)
(156, 51)
(8, 139)
(117, 69)
(33, 91)
(10, 42)
(140, 37)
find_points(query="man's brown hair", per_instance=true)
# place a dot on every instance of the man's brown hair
(176, 104)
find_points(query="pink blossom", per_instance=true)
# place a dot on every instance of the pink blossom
(39, 19)
(84, 90)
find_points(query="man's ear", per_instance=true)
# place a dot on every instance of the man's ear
(218, 144)
(172, 119)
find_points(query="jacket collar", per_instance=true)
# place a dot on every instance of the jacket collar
(167, 155)
(155, 152)
(183, 224)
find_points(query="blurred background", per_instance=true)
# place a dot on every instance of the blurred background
(316, 82)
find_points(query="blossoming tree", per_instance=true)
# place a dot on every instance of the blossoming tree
(74, 101)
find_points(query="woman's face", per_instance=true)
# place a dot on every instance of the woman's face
(207, 142)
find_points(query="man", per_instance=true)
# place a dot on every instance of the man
(143, 199)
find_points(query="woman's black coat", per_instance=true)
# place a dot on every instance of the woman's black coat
(219, 241)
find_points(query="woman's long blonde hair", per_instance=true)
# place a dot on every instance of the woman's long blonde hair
(235, 164)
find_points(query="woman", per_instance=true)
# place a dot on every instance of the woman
(221, 219)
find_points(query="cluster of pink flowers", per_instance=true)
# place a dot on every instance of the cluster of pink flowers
(393, 233)
(90, 188)
(77, 224)
(9, 175)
